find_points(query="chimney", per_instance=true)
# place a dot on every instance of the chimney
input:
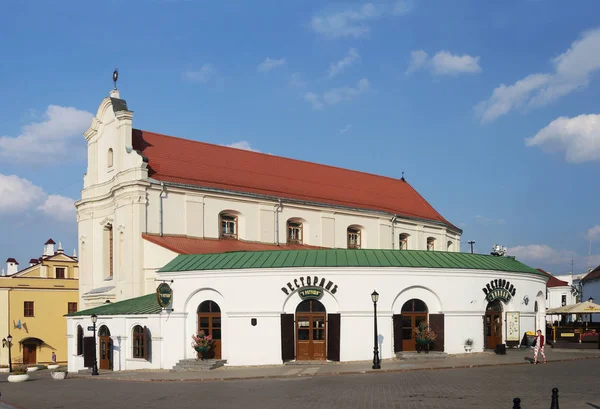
(33, 262)
(49, 248)
(60, 249)
(74, 254)
(12, 266)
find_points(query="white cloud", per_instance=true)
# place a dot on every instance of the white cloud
(444, 63)
(486, 221)
(242, 145)
(541, 253)
(297, 81)
(50, 137)
(578, 137)
(346, 128)
(334, 96)
(268, 64)
(19, 195)
(355, 21)
(403, 7)
(339, 66)
(59, 207)
(203, 75)
(572, 71)
(418, 59)
(593, 232)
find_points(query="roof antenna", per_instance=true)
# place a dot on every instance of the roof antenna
(115, 77)
(402, 179)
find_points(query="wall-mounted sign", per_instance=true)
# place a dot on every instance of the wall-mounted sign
(309, 281)
(164, 295)
(567, 334)
(311, 293)
(512, 327)
(499, 289)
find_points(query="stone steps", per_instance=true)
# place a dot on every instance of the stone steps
(410, 356)
(193, 365)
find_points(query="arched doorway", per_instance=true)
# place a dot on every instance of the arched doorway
(209, 321)
(105, 347)
(311, 331)
(413, 312)
(493, 324)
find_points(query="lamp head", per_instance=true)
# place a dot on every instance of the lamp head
(375, 296)
(94, 318)
(9, 338)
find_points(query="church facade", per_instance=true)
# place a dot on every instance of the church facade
(151, 200)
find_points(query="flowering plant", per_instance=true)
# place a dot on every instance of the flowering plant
(424, 332)
(202, 341)
(589, 333)
(20, 370)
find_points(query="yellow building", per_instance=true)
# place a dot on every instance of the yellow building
(33, 302)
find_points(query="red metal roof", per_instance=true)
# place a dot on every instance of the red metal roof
(192, 245)
(553, 281)
(177, 160)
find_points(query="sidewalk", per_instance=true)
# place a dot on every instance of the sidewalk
(512, 357)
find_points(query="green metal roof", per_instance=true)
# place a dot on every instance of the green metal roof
(146, 304)
(344, 258)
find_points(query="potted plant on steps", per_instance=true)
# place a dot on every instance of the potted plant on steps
(203, 344)
(424, 336)
(19, 374)
(469, 344)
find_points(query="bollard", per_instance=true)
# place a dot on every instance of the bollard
(516, 403)
(554, 399)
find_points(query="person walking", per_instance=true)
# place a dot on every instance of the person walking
(539, 347)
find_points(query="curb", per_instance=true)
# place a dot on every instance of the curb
(362, 372)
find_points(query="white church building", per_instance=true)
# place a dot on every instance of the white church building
(261, 248)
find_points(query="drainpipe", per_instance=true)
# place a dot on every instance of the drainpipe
(393, 229)
(160, 216)
(277, 210)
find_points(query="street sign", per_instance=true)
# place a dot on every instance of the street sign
(90, 328)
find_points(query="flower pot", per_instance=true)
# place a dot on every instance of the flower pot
(202, 351)
(58, 375)
(18, 378)
(32, 368)
(55, 366)
(468, 348)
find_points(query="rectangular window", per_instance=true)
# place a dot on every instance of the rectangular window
(28, 308)
(72, 307)
(228, 226)
(60, 272)
(563, 300)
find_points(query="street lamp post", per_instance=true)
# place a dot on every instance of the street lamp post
(95, 367)
(7, 342)
(376, 361)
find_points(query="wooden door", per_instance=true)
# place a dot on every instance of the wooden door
(493, 329)
(29, 354)
(410, 321)
(311, 332)
(105, 352)
(210, 323)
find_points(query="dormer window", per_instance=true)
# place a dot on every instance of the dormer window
(403, 241)
(430, 244)
(109, 158)
(294, 234)
(229, 226)
(354, 237)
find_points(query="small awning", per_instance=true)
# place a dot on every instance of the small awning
(31, 340)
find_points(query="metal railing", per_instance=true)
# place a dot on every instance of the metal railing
(553, 405)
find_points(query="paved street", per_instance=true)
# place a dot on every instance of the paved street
(485, 387)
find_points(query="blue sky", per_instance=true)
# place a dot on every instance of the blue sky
(490, 108)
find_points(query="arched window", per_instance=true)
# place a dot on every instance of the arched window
(414, 305)
(229, 226)
(535, 307)
(403, 241)
(109, 158)
(354, 234)
(104, 331)
(140, 347)
(430, 244)
(449, 245)
(294, 231)
(79, 340)
(209, 306)
(310, 306)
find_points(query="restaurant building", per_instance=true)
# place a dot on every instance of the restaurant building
(261, 249)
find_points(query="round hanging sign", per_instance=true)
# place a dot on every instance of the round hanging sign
(164, 294)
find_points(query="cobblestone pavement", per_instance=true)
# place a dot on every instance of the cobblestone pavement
(483, 388)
